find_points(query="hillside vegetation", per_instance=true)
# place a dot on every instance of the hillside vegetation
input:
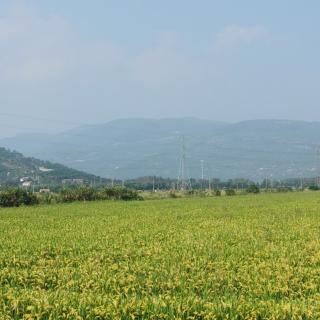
(14, 166)
(253, 257)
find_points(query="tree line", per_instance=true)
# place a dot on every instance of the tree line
(15, 197)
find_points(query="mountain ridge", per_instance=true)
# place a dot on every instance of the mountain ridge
(130, 148)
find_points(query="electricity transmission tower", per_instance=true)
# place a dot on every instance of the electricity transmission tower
(184, 182)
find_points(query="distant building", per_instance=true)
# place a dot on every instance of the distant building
(45, 190)
(72, 182)
(27, 184)
(43, 169)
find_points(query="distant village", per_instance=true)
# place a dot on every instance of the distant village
(29, 182)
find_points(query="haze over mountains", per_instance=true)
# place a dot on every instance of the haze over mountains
(130, 148)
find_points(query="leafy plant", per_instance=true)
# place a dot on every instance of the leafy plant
(230, 192)
(15, 197)
(253, 189)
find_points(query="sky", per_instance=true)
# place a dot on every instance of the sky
(69, 63)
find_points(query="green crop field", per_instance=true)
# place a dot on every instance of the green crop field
(242, 257)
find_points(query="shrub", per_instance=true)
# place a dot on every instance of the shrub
(128, 194)
(15, 197)
(285, 189)
(85, 193)
(202, 193)
(230, 192)
(172, 194)
(119, 194)
(253, 189)
(30, 199)
(48, 198)
(110, 193)
(191, 192)
(67, 195)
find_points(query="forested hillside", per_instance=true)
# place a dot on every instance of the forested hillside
(16, 169)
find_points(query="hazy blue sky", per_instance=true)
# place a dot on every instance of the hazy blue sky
(77, 61)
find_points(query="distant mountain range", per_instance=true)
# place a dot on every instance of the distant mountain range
(15, 169)
(132, 148)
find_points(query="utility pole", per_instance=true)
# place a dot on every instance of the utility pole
(202, 168)
(183, 164)
(266, 182)
(202, 174)
(114, 174)
(318, 166)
